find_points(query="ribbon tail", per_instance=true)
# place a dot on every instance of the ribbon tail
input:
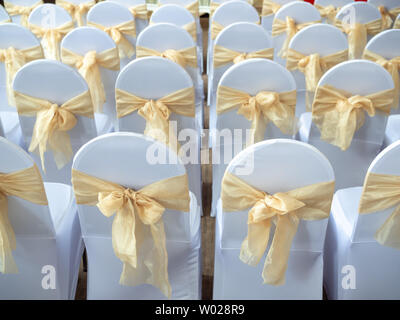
(95, 83)
(258, 127)
(346, 128)
(126, 48)
(60, 145)
(7, 240)
(357, 41)
(389, 233)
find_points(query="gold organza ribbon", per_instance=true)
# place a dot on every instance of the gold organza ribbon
(118, 33)
(88, 66)
(265, 107)
(329, 12)
(388, 16)
(269, 7)
(223, 56)
(13, 60)
(338, 114)
(53, 123)
(380, 192)
(357, 35)
(138, 235)
(290, 27)
(313, 67)
(184, 57)
(24, 11)
(193, 8)
(25, 184)
(284, 209)
(51, 38)
(213, 7)
(216, 28)
(139, 11)
(157, 112)
(392, 66)
(396, 24)
(76, 11)
(192, 30)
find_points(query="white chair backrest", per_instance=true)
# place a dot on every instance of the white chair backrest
(235, 11)
(4, 17)
(359, 12)
(266, 21)
(18, 37)
(140, 23)
(78, 2)
(388, 4)
(335, 3)
(252, 76)
(360, 77)
(122, 158)
(300, 12)
(25, 3)
(172, 13)
(27, 218)
(278, 166)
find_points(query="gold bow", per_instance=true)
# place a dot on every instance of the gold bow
(193, 8)
(357, 35)
(88, 66)
(380, 192)
(13, 60)
(53, 123)
(265, 107)
(313, 66)
(269, 7)
(388, 16)
(291, 28)
(184, 57)
(223, 56)
(118, 33)
(51, 38)
(157, 112)
(329, 12)
(139, 11)
(338, 114)
(284, 209)
(24, 11)
(138, 219)
(25, 184)
(76, 11)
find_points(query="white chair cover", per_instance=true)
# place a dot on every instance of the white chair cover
(335, 3)
(140, 23)
(26, 3)
(266, 21)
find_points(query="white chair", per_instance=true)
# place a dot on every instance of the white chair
(272, 166)
(154, 78)
(358, 77)
(133, 5)
(122, 158)
(266, 19)
(303, 14)
(321, 39)
(49, 241)
(356, 265)
(57, 83)
(77, 9)
(25, 6)
(329, 8)
(389, 10)
(251, 76)
(81, 41)
(227, 13)
(107, 15)
(4, 17)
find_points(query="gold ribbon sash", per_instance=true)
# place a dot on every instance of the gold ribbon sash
(290, 27)
(213, 7)
(216, 28)
(88, 66)
(13, 60)
(53, 123)
(118, 33)
(157, 112)
(329, 12)
(388, 16)
(25, 184)
(76, 11)
(24, 11)
(193, 8)
(192, 30)
(269, 8)
(313, 67)
(392, 66)
(396, 24)
(138, 235)
(139, 11)
(51, 38)
(223, 56)
(338, 114)
(184, 57)
(265, 107)
(380, 192)
(357, 35)
(284, 209)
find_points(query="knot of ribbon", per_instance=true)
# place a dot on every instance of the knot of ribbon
(76, 11)
(328, 12)
(223, 56)
(184, 57)
(269, 8)
(139, 11)
(24, 11)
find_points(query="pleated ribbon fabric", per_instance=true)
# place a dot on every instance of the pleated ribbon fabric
(13, 60)
(193, 8)
(25, 184)
(313, 66)
(388, 16)
(265, 107)
(339, 114)
(24, 11)
(139, 11)
(328, 12)
(392, 66)
(184, 57)
(118, 33)
(76, 11)
(290, 27)
(357, 35)
(269, 8)
(53, 123)
(396, 24)
(51, 38)
(223, 56)
(157, 112)
(380, 192)
(138, 235)
(284, 209)
(89, 67)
